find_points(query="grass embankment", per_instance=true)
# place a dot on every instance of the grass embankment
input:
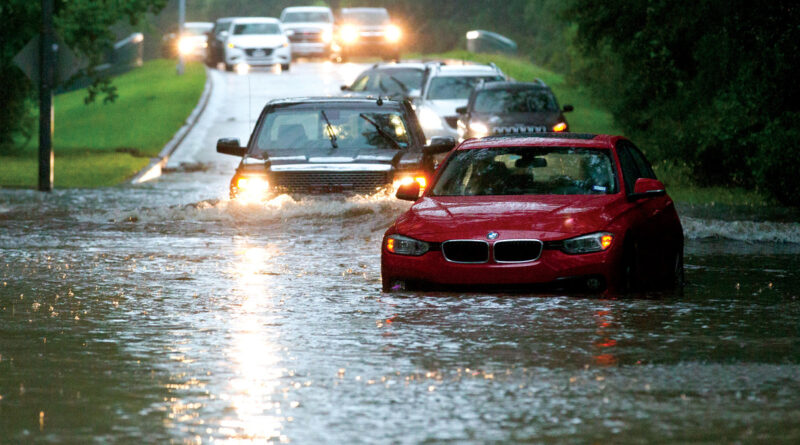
(103, 144)
(589, 117)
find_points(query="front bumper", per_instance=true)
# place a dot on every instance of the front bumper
(553, 268)
(258, 56)
(311, 49)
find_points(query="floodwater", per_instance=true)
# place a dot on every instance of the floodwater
(165, 313)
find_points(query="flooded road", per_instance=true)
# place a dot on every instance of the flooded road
(165, 313)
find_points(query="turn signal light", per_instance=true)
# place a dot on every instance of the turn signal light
(559, 127)
(605, 241)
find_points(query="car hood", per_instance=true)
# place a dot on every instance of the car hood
(310, 26)
(548, 118)
(258, 40)
(445, 107)
(550, 217)
(340, 156)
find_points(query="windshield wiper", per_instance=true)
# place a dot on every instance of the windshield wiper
(401, 84)
(331, 133)
(381, 131)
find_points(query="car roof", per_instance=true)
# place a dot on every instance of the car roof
(399, 65)
(256, 20)
(510, 85)
(465, 70)
(587, 140)
(307, 8)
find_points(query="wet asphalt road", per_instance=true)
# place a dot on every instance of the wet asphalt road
(164, 313)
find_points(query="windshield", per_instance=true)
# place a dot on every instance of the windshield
(527, 171)
(307, 17)
(366, 17)
(515, 101)
(452, 87)
(256, 28)
(390, 81)
(196, 30)
(307, 129)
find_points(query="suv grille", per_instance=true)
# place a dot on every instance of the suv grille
(517, 251)
(466, 251)
(322, 182)
(300, 36)
(262, 52)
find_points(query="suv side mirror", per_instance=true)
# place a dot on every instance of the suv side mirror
(344, 87)
(568, 108)
(647, 188)
(408, 192)
(230, 146)
(439, 144)
(461, 110)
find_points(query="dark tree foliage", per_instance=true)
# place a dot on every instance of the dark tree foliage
(711, 82)
(84, 25)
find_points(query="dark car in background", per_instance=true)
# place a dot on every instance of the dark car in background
(215, 49)
(500, 108)
(191, 43)
(367, 32)
(331, 145)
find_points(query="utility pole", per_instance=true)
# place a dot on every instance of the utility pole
(47, 52)
(181, 22)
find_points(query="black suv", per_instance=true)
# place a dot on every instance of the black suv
(332, 145)
(498, 108)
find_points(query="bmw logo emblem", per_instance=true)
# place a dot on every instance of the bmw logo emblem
(492, 235)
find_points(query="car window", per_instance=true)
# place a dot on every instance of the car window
(399, 81)
(307, 16)
(633, 164)
(306, 129)
(515, 101)
(527, 171)
(256, 28)
(360, 84)
(455, 87)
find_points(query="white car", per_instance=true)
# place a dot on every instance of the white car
(310, 29)
(256, 41)
(446, 88)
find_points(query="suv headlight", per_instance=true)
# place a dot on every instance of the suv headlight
(428, 119)
(403, 245)
(478, 129)
(593, 242)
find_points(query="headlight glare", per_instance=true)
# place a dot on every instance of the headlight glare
(428, 119)
(478, 129)
(403, 245)
(593, 242)
(393, 33)
(559, 127)
(252, 188)
(349, 33)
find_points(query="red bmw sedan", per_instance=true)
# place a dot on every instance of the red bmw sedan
(577, 211)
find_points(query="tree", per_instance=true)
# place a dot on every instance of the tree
(84, 25)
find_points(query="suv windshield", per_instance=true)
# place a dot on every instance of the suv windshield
(306, 128)
(366, 17)
(307, 17)
(195, 30)
(515, 101)
(527, 171)
(453, 87)
(256, 28)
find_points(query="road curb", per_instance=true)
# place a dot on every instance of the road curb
(153, 170)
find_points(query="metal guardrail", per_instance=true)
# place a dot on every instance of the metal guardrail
(482, 41)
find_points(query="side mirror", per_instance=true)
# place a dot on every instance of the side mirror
(344, 87)
(461, 110)
(568, 108)
(647, 188)
(230, 146)
(439, 144)
(408, 192)
(222, 35)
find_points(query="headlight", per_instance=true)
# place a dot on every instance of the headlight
(393, 33)
(403, 245)
(478, 129)
(428, 119)
(251, 188)
(349, 33)
(561, 126)
(185, 46)
(232, 46)
(594, 242)
(405, 180)
(327, 36)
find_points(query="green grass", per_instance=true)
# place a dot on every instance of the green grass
(591, 118)
(103, 144)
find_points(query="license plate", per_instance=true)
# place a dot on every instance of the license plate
(259, 53)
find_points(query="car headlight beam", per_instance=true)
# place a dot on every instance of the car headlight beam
(478, 129)
(428, 119)
(403, 245)
(252, 188)
(593, 242)
(349, 34)
(393, 34)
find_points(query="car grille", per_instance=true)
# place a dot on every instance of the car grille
(306, 37)
(326, 182)
(264, 52)
(520, 129)
(466, 251)
(517, 251)
(452, 121)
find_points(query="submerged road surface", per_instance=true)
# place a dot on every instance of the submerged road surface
(164, 313)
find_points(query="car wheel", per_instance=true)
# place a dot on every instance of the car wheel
(631, 279)
(285, 66)
(678, 278)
